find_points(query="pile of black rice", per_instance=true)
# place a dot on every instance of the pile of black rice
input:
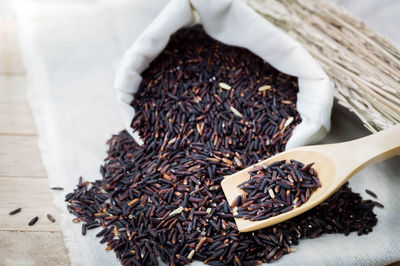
(204, 110)
(274, 189)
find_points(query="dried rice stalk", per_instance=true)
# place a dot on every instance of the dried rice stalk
(364, 67)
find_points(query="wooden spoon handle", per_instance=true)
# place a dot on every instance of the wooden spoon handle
(357, 154)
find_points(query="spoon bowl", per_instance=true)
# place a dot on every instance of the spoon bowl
(334, 163)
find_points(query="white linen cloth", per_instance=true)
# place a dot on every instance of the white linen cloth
(69, 50)
(233, 23)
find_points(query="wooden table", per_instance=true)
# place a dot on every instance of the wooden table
(23, 180)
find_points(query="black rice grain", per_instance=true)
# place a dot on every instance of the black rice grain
(33, 221)
(371, 193)
(51, 218)
(14, 211)
(84, 229)
(57, 188)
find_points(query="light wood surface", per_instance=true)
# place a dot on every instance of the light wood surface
(23, 180)
(15, 114)
(20, 156)
(32, 248)
(10, 62)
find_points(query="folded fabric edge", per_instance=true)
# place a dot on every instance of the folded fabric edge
(307, 132)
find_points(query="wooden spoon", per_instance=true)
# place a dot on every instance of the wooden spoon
(334, 163)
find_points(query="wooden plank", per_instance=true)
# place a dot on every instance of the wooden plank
(10, 59)
(20, 244)
(20, 156)
(15, 113)
(34, 197)
(12, 88)
(16, 119)
(32, 248)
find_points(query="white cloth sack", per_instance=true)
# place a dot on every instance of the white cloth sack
(233, 23)
(69, 49)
